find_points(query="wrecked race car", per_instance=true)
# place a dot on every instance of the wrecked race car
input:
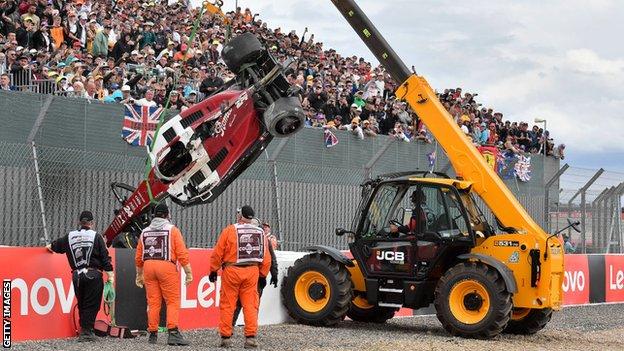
(201, 151)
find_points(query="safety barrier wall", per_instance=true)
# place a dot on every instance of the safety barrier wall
(42, 291)
(59, 155)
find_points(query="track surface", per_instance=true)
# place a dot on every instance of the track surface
(574, 328)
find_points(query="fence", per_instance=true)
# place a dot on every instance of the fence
(58, 156)
(592, 196)
(25, 80)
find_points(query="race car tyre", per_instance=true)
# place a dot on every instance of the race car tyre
(527, 321)
(317, 290)
(243, 49)
(362, 311)
(284, 117)
(471, 301)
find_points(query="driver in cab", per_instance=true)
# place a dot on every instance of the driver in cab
(420, 212)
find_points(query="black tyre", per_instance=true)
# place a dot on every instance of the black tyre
(284, 117)
(362, 311)
(243, 49)
(471, 301)
(317, 290)
(527, 321)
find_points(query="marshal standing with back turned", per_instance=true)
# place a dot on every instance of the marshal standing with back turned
(88, 257)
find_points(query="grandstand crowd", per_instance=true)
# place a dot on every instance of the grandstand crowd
(140, 52)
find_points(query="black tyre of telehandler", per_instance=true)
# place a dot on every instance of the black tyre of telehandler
(362, 311)
(527, 321)
(317, 290)
(471, 301)
(243, 49)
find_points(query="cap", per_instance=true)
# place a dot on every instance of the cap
(125, 88)
(161, 209)
(247, 212)
(86, 216)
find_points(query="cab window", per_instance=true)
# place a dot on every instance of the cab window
(436, 209)
(379, 210)
(456, 224)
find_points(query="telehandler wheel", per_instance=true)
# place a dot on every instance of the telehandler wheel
(362, 311)
(527, 321)
(471, 301)
(317, 290)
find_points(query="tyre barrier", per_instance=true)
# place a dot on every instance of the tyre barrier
(38, 296)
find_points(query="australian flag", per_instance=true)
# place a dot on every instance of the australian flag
(330, 138)
(431, 157)
(140, 123)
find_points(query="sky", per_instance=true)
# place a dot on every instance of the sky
(557, 60)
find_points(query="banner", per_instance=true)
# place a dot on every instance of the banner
(489, 153)
(431, 158)
(330, 138)
(41, 293)
(140, 123)
(522, 168)
(576, 284)
(40, 290)
(614, 278)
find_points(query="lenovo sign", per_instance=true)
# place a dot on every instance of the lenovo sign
(614, 278)
(41, 291)
(576, 280)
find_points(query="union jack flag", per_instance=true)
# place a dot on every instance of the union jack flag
(140, 123)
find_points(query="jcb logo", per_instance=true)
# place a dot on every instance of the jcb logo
(390, 256)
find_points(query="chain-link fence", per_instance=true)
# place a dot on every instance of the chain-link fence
(593, 197)
(59, 155)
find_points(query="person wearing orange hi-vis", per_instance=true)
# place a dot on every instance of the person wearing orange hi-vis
(160, 246)
(242, 252)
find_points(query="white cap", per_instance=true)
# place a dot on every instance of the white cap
(134, 52)
(126, 87)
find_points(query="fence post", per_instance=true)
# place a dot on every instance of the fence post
(371, 163)
(46, 237)
(614, 225)
(31, 140)
(618, 203)
(581, 192)
(547, 195)
(605, 215)
(277, 211)
(596, 216)
(446, 167)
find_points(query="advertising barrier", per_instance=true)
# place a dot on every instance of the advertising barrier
(41, 294)
(38, 295)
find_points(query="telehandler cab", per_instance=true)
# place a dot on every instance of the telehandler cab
(419, 238)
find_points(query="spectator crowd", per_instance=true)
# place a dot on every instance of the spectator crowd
(141, 52)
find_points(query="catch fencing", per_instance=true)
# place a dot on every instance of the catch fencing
(59, 155)
(593, 197)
